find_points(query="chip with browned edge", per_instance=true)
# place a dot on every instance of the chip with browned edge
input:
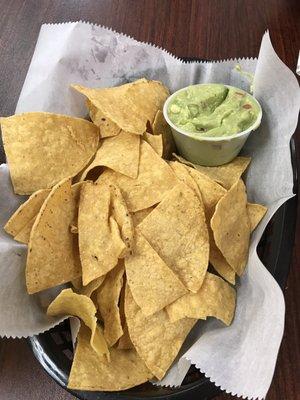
(216, 298)
(52, 251)
(36, 145)
(156, 339)
(152, 283)
(92, 372)
(177, 231)
(69, 303)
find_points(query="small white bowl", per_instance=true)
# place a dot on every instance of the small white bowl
(209, 151)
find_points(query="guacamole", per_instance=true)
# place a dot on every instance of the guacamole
(212, 110)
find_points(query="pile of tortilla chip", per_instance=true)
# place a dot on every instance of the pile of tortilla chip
(148, 242)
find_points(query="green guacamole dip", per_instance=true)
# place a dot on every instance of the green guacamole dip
(212, 110)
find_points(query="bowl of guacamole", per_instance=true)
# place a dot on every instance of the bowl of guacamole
(211, 122)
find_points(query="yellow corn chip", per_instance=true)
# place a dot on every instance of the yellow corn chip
(107, 127)
(211, 191)
(218, 261)
(129, 106)
(100, 243)
(92, 372)
(26, 212)
(161, 127)
(53, 253)
(231, 227)
(152, 283)
(256, 212)
(36, 144)
(183, 175)
(120, 153)
(72, 304)
(155, 141)
(89, 289)
(215, 298)
(108, 298)
(155, 178)
(226, 174)
(177, 231)
(138, 216)
(156, 339)
(24, 235)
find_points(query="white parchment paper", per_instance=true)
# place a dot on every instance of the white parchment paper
(241, 358)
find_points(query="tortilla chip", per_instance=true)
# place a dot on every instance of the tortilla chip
(24, 235)
(124, 341)
(226, 174)
(89, 289)
(138, 216)
(53, 252)
(155, 141)
(256, 212)
(183, 175)
(108, 298)
(92, 372)
(129, 106)
(107, 127)
(156, 339)
(215, 298)
(72, 304)
(161, 127)
(152, 283)
(177, 231)
(120, 153)
(26, 212)
(218, 261)
(231, 227)
(46, 138)
(100, 243)
(155, 178)
(123, 218)
(211, 191)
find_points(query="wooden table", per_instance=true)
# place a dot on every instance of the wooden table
(212, 29)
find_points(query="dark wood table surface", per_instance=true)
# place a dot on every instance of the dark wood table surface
(212, 29)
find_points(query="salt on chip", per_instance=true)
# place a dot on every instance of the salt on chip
(52, 251)
(155, 178)
(129, 106)
(26, 212)
(92, 372)
(100, 243)
(69, 303)
(155, 141)
(152, 283)
(161, 127)
(156, 339)
(256, 212)
(215, 298)
(177, 231)
(36, 144)
(123, 218)
(120, 153)
(107, 299)
(226, 174)
(107, 127)
(231, 227)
